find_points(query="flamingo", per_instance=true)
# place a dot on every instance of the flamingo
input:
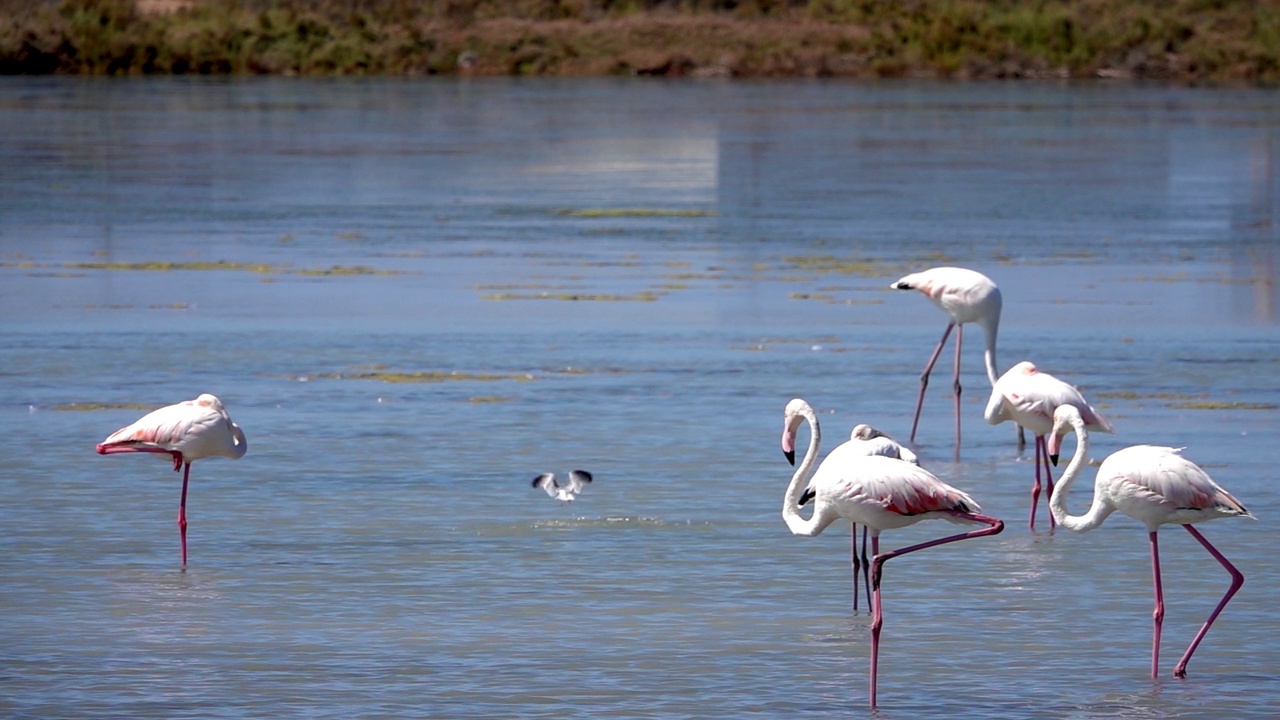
(967, 296)
(1156, 486)
(1029, 397)
(188, 431)
(868, 441)
(879, 492)
(578, 480)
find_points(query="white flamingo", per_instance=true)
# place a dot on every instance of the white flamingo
(967, 296)
(866, 440)
(1028, 397)
(187, 431)
(880, 493)
(1156, 486)
(578, 481)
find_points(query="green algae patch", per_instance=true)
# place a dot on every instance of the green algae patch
(163, 266)
(388, 376)
(1131, 395)
(831, 265)
(643, 296)
(223, 265)
(1217, 405)
(634, 212)
(82, 407)
(343, 270)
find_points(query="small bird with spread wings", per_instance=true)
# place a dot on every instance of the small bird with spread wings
(578, 481)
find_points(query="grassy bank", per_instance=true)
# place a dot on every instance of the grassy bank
(1181, 40)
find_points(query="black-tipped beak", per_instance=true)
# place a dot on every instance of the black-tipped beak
(791, 456)
(1054, 459)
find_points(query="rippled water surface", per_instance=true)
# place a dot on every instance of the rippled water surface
(416, 295)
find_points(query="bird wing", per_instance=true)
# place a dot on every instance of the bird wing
(578, 479)
(894, 485)
(1160, 475)
(546, 481)
(181, 427)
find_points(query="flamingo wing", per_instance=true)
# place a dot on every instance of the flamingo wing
(886, 487)
(180, 428)
(1155, 483)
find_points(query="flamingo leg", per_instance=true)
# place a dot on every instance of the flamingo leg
(182, 513)
(994, 527)
(1237, 580)
(857, 565)
(1022, 440)
(1035, 488)
(1157, 617)
(924, 377)
(877, 615)
(956, 384)
(866, 564)
(1048, 478)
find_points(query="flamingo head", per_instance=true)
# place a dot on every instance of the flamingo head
(1065, 417)
(791, 419)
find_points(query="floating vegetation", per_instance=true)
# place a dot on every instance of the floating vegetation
(388, 376)
(1217, 405)
(490, 399)
(812, 296)
(833, 265)
(643, 296)
(635, 212)
(223, 265)
(104, 406)
(1131, 395)
(679, 277)
(350, 236)
(344, 270)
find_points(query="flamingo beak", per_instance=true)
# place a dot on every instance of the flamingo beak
(1054, 459)
(790, 455)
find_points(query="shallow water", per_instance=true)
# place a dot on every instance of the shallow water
(379, 552)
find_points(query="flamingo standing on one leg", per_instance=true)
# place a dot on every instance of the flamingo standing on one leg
(1028, 397)
(1156, 486)
(187, 432)
(868, 440)
(967, 296)
(880, 493)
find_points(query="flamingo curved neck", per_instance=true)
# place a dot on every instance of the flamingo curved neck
(1058, 501)
(791, 501)
(990, 328)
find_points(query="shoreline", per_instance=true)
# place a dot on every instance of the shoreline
(1178, 41)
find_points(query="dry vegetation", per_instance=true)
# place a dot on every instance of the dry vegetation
(1183, 40)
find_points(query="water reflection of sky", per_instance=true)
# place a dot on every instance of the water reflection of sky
(1168, 187)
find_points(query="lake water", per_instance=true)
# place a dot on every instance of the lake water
(633, 278)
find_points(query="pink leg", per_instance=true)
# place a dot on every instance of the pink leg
(1157, 617)
(182, 514)
(924, 377)
(1237, 580)
(877, 615)
(956, 384)
(1035, 489)
(994, 526)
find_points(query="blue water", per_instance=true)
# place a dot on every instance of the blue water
(379, 552)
